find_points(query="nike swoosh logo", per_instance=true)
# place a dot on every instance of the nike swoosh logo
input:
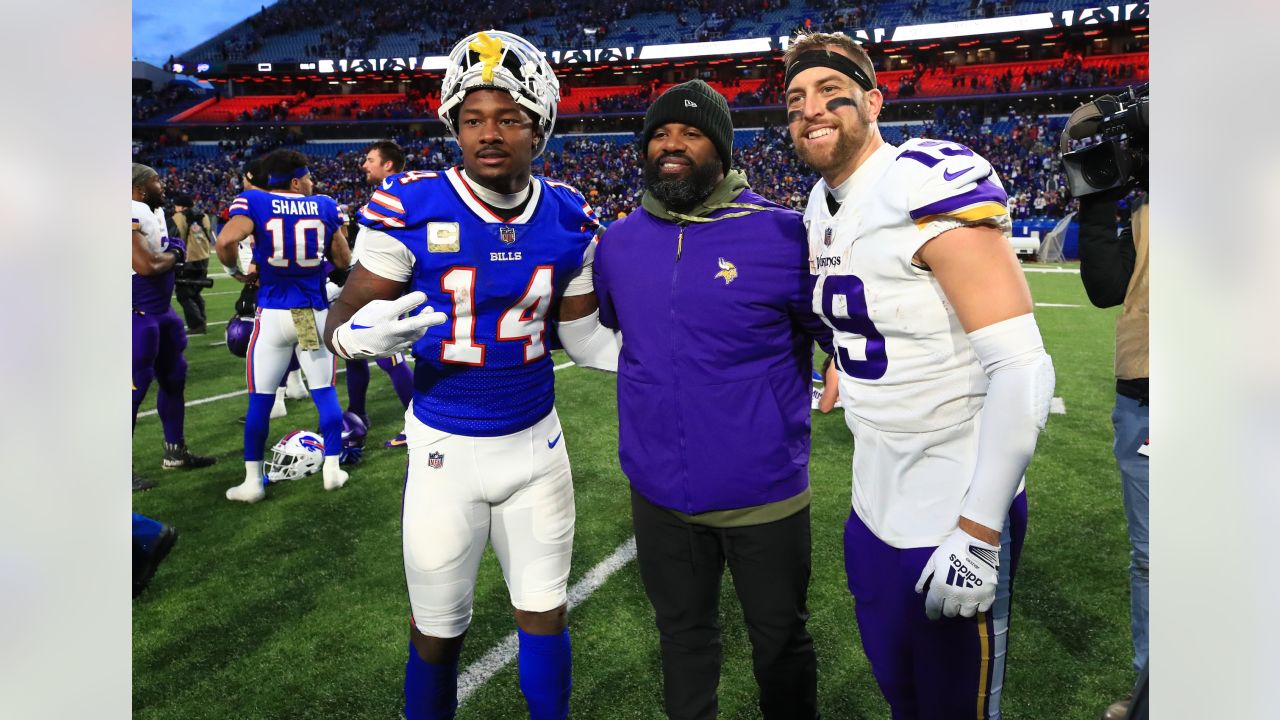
(552, 443)
(386, 184)
(949, 176)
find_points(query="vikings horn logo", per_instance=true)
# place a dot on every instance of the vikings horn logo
(728, 271)
(490, 51)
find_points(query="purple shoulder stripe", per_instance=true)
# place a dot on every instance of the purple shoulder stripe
(984, 191)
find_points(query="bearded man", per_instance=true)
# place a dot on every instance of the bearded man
(709, 284)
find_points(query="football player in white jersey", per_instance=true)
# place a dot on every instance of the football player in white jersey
(158, 336)
(943, 377)
(503, 252)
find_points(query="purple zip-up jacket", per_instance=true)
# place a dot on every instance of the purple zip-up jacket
(716, 363)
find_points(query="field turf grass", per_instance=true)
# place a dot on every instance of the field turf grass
(296, 608)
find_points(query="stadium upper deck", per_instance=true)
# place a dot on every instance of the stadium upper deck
(304, 29)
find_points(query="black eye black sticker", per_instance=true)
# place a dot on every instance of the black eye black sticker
(838, 102)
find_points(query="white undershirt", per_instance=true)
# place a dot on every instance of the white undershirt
(497, 199)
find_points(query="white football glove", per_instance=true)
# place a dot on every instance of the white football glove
(376, 330)
(331, 290)
(965, 572)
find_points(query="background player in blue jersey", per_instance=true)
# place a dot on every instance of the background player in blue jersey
(383, 158)
(158, 337)
(294, 231)
(500, 251)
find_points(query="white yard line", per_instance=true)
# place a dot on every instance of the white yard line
(1061, 305)
(479, 672)
(1072, 271)
(1057, 407)
(238, 393)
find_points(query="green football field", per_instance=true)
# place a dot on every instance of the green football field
(296, 607)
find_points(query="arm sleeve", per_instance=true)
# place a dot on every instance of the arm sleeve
(1013, 414)
(1106, 258)
(385, 256)
(590, 344)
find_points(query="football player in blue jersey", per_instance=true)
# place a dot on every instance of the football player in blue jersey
(382, 159)
(500, 252)
(294, 232)
(158, 336)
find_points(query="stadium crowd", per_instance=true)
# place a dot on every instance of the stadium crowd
(608, 172)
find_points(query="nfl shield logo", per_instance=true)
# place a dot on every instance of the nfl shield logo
(826, 237)
(435, 460)
(507, 234)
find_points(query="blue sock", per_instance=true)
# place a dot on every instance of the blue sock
(257, 423)
(546, 674)
(430, 690)
(326, 400)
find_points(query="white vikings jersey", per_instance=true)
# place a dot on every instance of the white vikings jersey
(152, 225)
(906, 363)
(151, 293)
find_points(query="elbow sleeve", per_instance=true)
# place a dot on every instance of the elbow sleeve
(590, 344)
(1015, 411)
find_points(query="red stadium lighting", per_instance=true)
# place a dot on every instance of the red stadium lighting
(1016, 38)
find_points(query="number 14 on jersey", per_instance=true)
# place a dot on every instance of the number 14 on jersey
(525, 320)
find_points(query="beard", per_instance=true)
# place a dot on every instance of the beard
(682, 194)
(849, 142)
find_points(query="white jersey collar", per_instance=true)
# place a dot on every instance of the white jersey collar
(870, 171)
(473, 194)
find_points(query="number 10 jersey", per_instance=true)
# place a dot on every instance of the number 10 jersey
(487, 372)
(907, 363)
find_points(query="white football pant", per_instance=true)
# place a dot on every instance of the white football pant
(515, 490)
(272, 345)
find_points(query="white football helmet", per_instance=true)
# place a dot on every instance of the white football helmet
(497, 59)
(298, 454)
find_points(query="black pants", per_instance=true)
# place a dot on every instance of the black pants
(189, 296)
(681, 565)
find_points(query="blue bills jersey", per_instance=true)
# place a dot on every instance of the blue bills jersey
(290, 234)
(488, 372)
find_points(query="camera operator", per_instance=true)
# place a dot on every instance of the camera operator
(1115, 270)
(196, 229)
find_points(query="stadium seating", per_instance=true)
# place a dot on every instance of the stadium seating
(638, 28)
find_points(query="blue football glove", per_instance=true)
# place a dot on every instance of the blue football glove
(177, 247)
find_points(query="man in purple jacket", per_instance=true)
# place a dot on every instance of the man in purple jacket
(710, 287)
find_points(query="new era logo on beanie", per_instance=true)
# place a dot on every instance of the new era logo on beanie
(693, 103)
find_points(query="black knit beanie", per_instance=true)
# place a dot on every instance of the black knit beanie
(693, 103)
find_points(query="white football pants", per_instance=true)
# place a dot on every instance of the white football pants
(273, 343)
(515, 490)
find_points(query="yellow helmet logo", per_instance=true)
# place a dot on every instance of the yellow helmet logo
(490, 51)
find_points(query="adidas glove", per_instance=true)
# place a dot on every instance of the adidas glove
(965, 571)
(377, 330)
